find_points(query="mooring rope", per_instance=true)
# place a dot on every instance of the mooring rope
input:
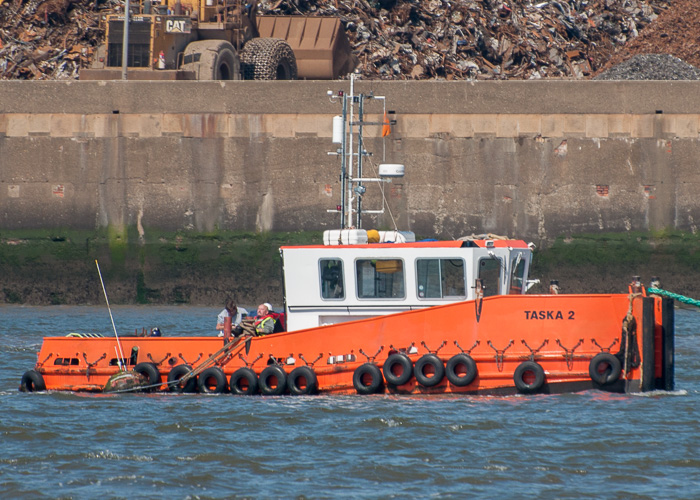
(675, 296)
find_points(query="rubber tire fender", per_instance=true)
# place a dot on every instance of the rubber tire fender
(32, 381)
(519, 375)
(243, 374)
(608, 376)
(438, 370)
(277, 372)
(215, 374)
(212, 60)
(150, 371)
(375, 374)
(176, 374)
(406, 366)
(302, 373)
(454, 363)
(268, 59)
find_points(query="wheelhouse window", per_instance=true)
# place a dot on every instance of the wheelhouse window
(332, 282)
(517, 275)
(490, 274)
(440, 278)
(380, 279)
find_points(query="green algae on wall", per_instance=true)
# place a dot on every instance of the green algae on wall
(158, 267)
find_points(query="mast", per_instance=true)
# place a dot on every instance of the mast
(352, 157)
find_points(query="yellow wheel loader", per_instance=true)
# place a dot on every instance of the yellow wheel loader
(218, 40)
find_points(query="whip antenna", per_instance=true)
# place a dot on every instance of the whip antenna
(121, 353)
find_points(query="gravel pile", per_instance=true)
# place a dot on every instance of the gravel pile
(651, 67)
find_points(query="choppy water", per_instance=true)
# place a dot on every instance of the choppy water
(584, 445)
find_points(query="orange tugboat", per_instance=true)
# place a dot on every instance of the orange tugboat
(379, 313)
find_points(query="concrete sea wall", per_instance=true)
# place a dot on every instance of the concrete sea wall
(528, 159)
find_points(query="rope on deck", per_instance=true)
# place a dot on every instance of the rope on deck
(675, 296)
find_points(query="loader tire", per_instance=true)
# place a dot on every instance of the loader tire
(212, 60)
(268, 59)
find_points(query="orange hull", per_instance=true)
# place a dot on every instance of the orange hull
(507, 338)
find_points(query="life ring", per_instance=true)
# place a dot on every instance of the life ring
(176, 374)
(604, 368)
(243, 382)
(212, 381)
(32, 381)
(367, 379)
(461, 370)
(436, 370)
(273, 381)
(529, 369)
(405, 369)
(151, 373)
(302, 381)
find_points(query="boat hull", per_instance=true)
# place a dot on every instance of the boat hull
(496, 345)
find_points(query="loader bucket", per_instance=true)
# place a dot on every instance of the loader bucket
(320, 45)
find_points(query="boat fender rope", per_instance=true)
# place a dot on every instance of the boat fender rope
(476, 343)
(500, 354)
(370, 359)
(605, 349)
(629, 350)
(188, 363)
(430, 350)
(312, 363)
(569, 354)
(533, 352)
(157, 363)
(251, 363)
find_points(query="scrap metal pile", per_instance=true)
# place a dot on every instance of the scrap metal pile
(394, 39)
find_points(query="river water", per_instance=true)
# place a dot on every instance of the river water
(590, 444)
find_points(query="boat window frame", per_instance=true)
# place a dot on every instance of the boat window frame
(499, 261)
(358, 280)
(517, 260)
(341, 280)
(442, 295)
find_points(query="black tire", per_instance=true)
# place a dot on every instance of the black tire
(302, 381)
(243, 382)
(461, 370)
(397, 363)
(604, 368)
(268, 59)
(150, 372)
(212, 60)
(367, 379)
(176, 374)
(522, 371)
(212, 381)
(273, 381)
(32, 381)
(435, 370)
